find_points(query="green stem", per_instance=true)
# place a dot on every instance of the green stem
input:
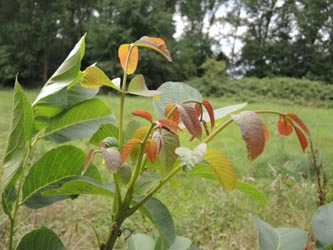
(17, 201)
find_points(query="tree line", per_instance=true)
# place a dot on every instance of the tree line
(280, 37)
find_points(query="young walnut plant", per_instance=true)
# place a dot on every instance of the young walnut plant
(67, 109)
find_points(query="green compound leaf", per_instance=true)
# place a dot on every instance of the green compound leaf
(280, 238)
(82, 120)
(56, 165)
(21, 130)
(138, 86)
(53, 96)
(41, 239)
(160, 216)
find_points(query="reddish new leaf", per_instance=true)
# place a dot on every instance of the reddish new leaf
(144, 114)
(128, 148)
(210, 111)
(88, 160)
(169, 125)
(151, 150)
(156, 44)
(295, 118)
(190, 119)
(174, 116)
(252, 132)
(205, 127)
(132, 59)
(302, 138)
(266, 132)
(198, 109)
(284, 126)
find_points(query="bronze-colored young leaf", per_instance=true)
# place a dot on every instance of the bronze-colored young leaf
(295, 118)
(88, 160)
(266, 132)
(174, 116)
(252, 132)
(210, 111)
(169, 125)
(151, 150)
(198, 109)
(128, 148)
(222, 168)
(133, 58)
(143, 114)
(302, 138)
(156, 44)
(112, 158)
(190, 119)
(94, 77)
(284, 126)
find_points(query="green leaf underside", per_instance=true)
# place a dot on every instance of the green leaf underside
(52, 98)
(145, 182)
(222, 168)
(138, 86)
(181, 243)
(322, 225)
(80, 121)
(223, 112)
(104, 131)
(94, 77)
(55, 165)
(252, 132)
(174, 92)
(40, 239)
(21, 130)
(84, 185)
(160, 216)
(140, 242)
(280, 238)
(167, 144)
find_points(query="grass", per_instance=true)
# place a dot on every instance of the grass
(203, 211)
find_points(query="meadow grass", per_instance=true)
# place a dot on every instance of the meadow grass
(202, 210)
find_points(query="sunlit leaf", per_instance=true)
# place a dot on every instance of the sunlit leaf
(156, 44)
(144, 114)
(252, 132)
(222, 168)
(128, 148)
(189, 158)
(131, 61)
(302, 138)
(295, 118)
(266, 132)
(20, 131)
(94, 77)
(190, 120)
(40, 239)
(284, 126)
(160, 216)
(151, 150)
(167, 143)
(141, 132)
(171, 107)
(280, 238)
(210, 111)
(138, 86)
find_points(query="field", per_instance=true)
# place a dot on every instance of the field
(204, 212)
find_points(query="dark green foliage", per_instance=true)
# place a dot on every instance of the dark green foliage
(287, 90)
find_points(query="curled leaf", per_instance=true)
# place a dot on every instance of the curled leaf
(156, 44)
(296, 119)
(190, 158)
(174, 116)
(284, 126)
(126, 60)
(151, 150)
(138, 86)
(302, 138)
(252, 132)
(210, 111)
(169, 125)
(112, 158)
(190, 119)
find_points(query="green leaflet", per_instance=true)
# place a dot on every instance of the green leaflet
(21, 130)
(40, 239)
